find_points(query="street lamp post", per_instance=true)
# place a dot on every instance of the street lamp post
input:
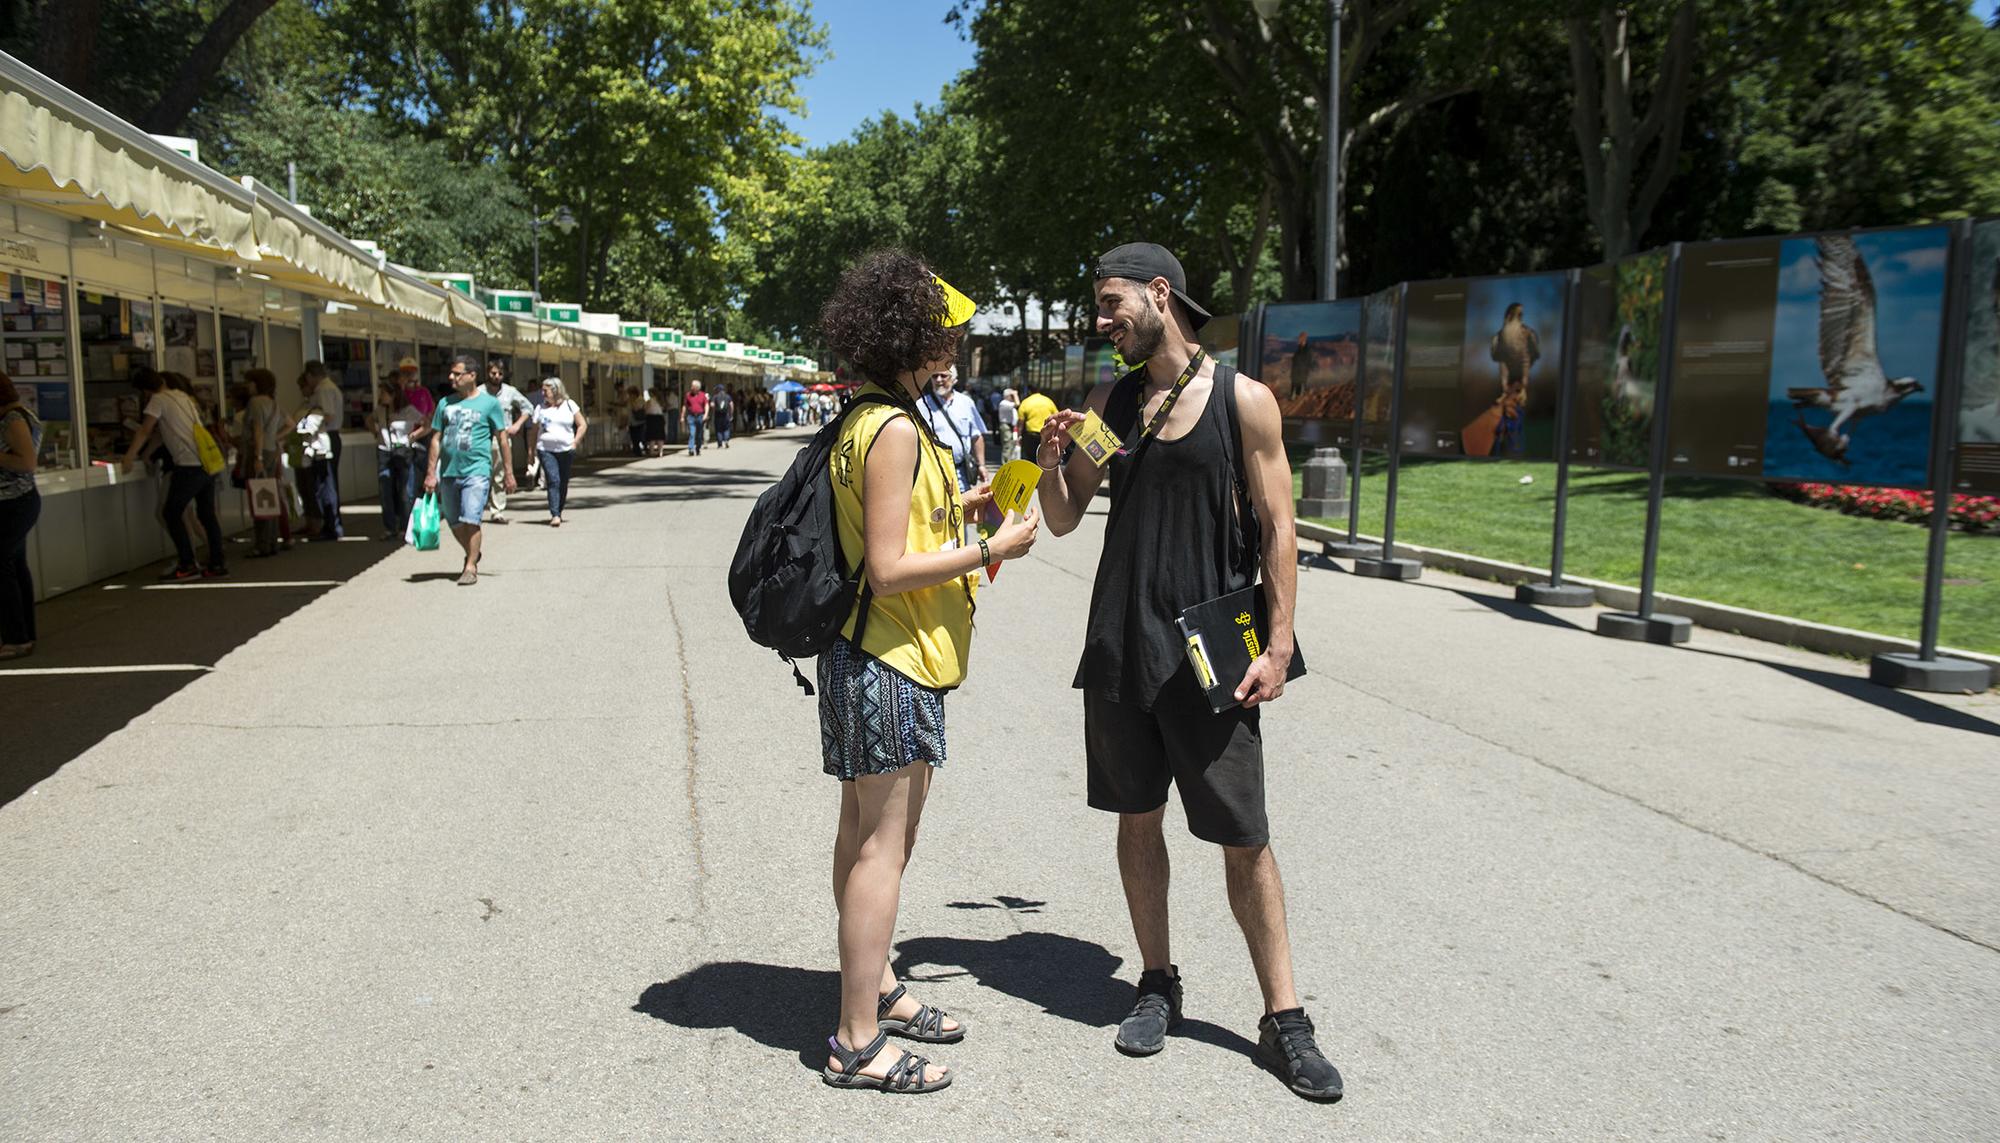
(1329, 276)
(563, 221)
(1330, 261)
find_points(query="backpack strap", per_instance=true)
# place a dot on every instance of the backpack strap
(861, 568)
(1232, 444)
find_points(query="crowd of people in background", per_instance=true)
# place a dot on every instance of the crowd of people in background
(287, 437)
(656, 421)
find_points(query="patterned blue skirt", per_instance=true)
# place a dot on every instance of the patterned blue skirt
(873, 720)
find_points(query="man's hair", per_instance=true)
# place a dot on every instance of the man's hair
(883, 317)
(264, 383)
(315, 370)
(467, 362)
(147, 380)
(178, 382)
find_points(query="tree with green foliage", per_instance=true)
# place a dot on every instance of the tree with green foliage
(911, 182)
(653, 121)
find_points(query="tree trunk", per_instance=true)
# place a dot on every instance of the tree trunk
(201, 64)
(1627, 161)
(68, 41)
(1242, 265)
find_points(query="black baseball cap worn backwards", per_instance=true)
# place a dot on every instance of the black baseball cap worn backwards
(1144, 261)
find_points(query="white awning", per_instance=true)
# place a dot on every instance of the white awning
(69, 155)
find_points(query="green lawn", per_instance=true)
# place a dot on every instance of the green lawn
(1721, 540)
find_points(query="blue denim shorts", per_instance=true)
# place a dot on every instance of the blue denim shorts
(462, 499)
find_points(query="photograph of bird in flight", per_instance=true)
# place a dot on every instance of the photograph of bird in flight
(1854, 357)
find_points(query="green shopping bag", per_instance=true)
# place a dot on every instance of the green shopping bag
(426, 521)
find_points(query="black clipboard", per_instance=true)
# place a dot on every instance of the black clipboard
(1223, 636)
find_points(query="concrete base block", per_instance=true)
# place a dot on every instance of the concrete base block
(1554, 595)
(1351, 550)
(1399, 569)
(1322, 509)
(1905, 671)
(1661, 629)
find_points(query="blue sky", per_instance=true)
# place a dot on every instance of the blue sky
(885, 54)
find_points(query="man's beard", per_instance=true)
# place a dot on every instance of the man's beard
(1148, 334)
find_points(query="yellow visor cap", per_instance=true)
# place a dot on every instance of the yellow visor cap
(958, 309)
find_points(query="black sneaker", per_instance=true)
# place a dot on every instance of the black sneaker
(217, 572)
(1286, 1049)
(1154, 1014)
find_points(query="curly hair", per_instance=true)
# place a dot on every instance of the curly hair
(883, 317)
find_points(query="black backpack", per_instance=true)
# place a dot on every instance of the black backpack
(789, 581)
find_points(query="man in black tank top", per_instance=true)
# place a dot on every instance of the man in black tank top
(1174, 540)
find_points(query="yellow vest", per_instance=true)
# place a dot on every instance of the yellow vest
(924, 635)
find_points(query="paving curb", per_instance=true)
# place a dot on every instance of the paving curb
(1715, 616)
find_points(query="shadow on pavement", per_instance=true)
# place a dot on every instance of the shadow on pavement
(1063, 976)
(111, 651)
(1874, 694)
(779, 1006)
(1512, 609)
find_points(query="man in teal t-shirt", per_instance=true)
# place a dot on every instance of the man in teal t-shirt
(464, 429)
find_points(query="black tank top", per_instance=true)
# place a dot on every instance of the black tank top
(1172, 541)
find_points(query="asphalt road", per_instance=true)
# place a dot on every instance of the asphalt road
(547, 858)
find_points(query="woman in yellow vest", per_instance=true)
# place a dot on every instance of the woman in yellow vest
(881, 705)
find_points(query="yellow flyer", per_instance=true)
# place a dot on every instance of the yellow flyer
(1097, 442)
(1014, 486)
(1013, 490)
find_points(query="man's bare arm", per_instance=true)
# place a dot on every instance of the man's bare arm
(1269, 477)
(1066, 490)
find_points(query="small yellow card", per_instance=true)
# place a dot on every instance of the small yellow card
(1097, 442)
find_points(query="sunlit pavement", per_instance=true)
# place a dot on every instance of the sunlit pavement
(547, 858)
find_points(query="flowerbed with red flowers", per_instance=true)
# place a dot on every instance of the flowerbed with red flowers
(1968, 513)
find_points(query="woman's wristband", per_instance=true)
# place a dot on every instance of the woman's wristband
(985, 553)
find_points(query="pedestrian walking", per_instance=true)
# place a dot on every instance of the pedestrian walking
(20, 507)
(420, 396)
(695, 406)
(1008, 414)
(1179, 534)
(955, 418)
(722, 410)
(320, 420)
(177, 419)
(265, 425)
(461, 464)
(515, 407)
(555, 433)
(656, 424)
(392, 421)
(882, 685)
(1036, 409)
(183, 384)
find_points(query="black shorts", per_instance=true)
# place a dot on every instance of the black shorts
(656, 426)
(1217, 760)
